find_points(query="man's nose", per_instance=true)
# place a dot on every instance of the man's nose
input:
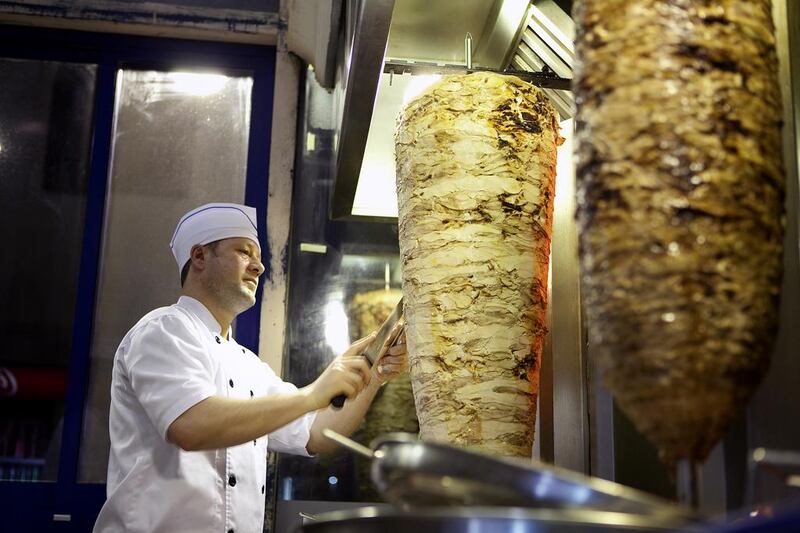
(257, 266)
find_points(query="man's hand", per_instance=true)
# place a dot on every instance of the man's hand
(348, 374)
(392, 360)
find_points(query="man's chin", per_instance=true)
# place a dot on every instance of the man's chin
(245, 300)
(250, 297)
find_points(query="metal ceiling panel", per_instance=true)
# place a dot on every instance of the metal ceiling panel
(547, 45)
(430, 30)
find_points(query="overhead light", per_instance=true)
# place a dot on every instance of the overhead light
(376, 195)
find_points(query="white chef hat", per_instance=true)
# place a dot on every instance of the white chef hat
(209, 223)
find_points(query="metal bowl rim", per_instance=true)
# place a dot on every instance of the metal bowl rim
(572, 516)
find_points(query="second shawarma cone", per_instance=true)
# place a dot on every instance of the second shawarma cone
(680, 209)
(392, 410)
(476, 164)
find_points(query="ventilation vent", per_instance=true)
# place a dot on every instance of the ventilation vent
(546, 45)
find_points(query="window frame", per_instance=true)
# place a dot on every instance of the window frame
(38, 504)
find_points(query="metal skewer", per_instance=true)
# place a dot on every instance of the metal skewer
(468, 51)
(689, 483)
(350, 444)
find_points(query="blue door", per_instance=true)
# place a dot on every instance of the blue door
(104, 142)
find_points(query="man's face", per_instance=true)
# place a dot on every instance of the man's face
(234, 266)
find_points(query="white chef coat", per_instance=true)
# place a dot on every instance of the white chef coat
(170, 360)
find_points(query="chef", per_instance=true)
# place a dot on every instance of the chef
(193, 413)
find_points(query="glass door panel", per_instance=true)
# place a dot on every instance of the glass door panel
(179, 140)
(46, 115)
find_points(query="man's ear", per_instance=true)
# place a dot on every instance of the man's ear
(198, 255)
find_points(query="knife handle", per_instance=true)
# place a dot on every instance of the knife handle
(338, 401)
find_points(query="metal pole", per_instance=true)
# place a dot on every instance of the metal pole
(689, 483)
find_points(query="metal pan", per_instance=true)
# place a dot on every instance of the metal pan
(483, 520)
(412, 473)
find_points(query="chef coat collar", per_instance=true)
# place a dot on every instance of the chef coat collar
(195, 306)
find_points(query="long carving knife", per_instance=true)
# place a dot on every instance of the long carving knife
(386, 337)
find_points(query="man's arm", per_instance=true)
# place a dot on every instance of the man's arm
(391, 362)
(219, 422)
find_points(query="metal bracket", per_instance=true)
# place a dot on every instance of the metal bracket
(544, 80)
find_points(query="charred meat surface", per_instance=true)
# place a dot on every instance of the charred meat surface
(476, 162)
(680, 208)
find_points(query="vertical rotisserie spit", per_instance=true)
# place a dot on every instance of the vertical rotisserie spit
(680, 208)
(476, 163)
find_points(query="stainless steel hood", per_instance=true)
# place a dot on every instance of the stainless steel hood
(434, 32)
(392, 49)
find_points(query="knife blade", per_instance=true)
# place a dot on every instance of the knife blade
(386, 337)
